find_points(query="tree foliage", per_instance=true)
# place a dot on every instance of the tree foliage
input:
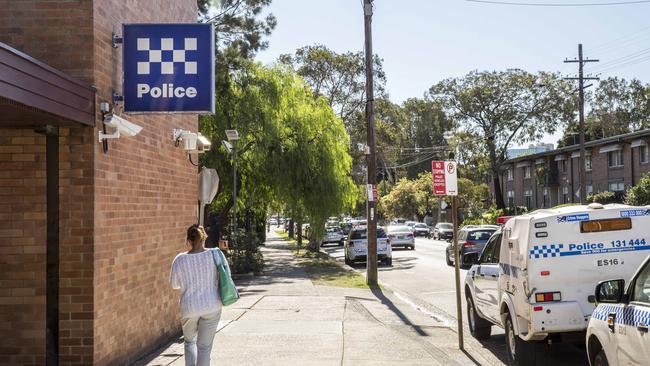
(639, 195)
(497, 109)
(292, 147)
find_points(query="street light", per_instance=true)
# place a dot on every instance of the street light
(233, 136)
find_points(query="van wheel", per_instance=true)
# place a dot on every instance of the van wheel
(478, 327)
(601, 359)
(520, 352)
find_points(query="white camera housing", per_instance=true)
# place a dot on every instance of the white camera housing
(193, 142)
(122, 127)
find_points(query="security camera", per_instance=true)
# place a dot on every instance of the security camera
(202, 143)
(122, 127)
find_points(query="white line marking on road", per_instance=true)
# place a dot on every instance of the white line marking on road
(421, 309)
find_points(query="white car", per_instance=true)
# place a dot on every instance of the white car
(618, 329)
(401, 236)
(356, 247)
(534, 278)
(333, 235)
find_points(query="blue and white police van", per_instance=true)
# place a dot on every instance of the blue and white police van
(536, 277)
(618, 330)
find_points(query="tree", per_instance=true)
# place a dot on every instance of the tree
(497, 109)
(239, 31)
(292, 148)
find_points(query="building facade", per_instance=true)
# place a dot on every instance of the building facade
(552, 178)
(86, 236)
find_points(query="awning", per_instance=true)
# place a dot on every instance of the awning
(638, 143)
(522, 164)
(576, 154)
(609, 148)
(540, 161)
(33, 93)
(559, 157)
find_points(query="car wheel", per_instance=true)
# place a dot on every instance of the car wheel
(478, 327)
(412, 247)
(448, 260)
(601, 359)
(341, 243)
(520, 352)
(388, 261)
(347, 260)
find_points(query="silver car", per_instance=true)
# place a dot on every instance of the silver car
(401, 236)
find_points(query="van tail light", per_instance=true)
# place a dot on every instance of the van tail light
(538, 308)
(545, 273)
(469, 244)
(548, 296)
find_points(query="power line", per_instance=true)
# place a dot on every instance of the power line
(610, 3)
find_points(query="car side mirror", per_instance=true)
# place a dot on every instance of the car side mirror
(610, 292)
(470, 259)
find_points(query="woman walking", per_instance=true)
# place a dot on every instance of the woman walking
(195, 273)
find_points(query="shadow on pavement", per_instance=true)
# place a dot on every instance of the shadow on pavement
(386, 301)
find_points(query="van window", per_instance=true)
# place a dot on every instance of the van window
(488, 252)
(594, 226)
(642, 286)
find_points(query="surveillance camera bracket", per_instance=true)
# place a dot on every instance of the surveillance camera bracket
(105, 136)
(116, 40)
(117, 98)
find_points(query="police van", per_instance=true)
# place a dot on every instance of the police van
(618, 329)
(535, 277)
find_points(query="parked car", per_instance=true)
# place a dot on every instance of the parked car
(470, 240)
(356, 247)
(401, 236)
(410, 224)
(617, 333)
(531, 277)
(443, 230)
(421, 229)
(333, 235)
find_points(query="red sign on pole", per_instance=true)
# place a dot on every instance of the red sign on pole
(438, 171)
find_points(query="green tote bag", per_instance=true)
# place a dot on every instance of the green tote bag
(227, 290)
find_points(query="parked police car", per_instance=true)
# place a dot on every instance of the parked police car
(356, 247)
(618, 330)
(535, 277)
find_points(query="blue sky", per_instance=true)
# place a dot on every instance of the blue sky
(423, 42)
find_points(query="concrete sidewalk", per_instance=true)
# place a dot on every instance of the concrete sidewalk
(284, 319)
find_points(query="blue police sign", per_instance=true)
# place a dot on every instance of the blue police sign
(168, 68)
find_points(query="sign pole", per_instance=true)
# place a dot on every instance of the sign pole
(459, 311)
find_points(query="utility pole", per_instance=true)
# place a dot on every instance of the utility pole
(370, 157)
(581, 90)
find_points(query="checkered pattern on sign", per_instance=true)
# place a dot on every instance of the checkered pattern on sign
(625, 315)
(167, 56)
(546, 250)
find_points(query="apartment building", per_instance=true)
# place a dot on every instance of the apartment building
(552, 178)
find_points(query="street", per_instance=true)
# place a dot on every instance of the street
(422, 277)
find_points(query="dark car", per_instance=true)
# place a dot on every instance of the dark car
(470, 240)
(443, 230)
(421, 229)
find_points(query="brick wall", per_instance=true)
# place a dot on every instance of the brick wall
(22, 248)
(57, 32)
(146, 194)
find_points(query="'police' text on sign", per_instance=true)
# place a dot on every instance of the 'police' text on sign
(168, 68)
(445, 180)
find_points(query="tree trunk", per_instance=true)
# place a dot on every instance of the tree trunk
(299, 236)
(498, 194)
(291, 233)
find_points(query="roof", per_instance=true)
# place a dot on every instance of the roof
(33, 93)
(573, 209)
(588, 144)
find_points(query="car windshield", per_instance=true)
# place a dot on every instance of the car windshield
(363, 234)
(421, 225)
(398, 229)
(480, 235)
(332, 229)
(446, 226)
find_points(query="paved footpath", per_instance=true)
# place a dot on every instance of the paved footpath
(284, 319)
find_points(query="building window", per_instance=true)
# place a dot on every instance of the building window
(615, 158)
(509, 174)
(587, 163)
(545, 197)
(590, 189)
(528, 198)
(563, 165)
(526, 172)
(511, 199)
(565, 195)
(616, 186)
(643, 154)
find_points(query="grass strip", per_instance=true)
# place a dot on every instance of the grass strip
(325, 271)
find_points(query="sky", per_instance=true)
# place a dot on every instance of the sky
(425, 41)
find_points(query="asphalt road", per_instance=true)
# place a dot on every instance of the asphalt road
(422, 277)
